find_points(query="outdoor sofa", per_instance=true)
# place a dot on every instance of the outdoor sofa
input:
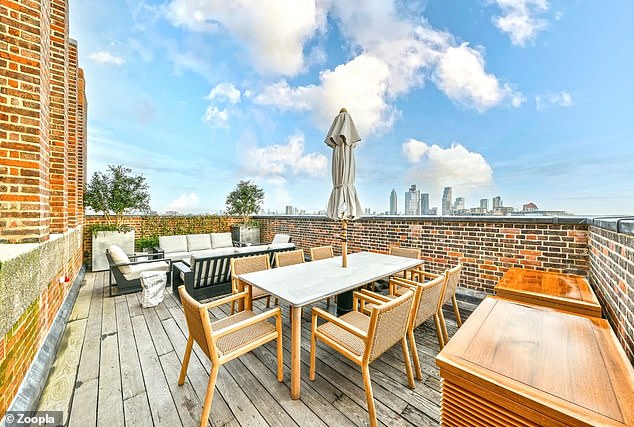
(125, 271)
(202, 261)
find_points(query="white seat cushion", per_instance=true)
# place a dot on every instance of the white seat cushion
(281, 238)
(137, 269)
(119, 257)
(281, 245)
(249, 249)
(214, 252)
(177, 256)
(171, 244)
(198, 242)
(221, 240)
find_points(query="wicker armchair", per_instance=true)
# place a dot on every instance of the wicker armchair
(321, 252)
(245, 265)
(405, 253)
(282, 259)
(362, 338)
(427, 297)
(452, 278)
(227, 338)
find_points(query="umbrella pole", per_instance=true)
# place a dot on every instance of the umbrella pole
(344, 243)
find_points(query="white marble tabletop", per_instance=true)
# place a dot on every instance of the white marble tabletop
(306, 283)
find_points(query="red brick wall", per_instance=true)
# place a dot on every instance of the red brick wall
(24, 121)
(82, 124)
(486, 249)
(612, 277)
(71, 170)
(58, 107)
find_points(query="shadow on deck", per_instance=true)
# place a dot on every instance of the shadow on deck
(118, 364)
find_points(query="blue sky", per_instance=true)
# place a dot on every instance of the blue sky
(527, 99)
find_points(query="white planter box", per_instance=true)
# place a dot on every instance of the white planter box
(103, 239)
(242, 234)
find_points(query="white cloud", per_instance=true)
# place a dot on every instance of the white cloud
(104, 57)
(184, 203)
(225, 91)
(392, 56)
(520, 19)
(559, 99)
(273, 31)
(277, 161)
(216, 117)
(461, 75)
(437, 167)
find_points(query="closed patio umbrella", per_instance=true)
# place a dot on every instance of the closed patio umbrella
(344, 202)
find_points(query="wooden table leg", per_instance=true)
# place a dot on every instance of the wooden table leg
(296, 337)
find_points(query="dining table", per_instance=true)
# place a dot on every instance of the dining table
(302, 284)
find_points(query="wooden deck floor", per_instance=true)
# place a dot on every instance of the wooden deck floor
(118, 364)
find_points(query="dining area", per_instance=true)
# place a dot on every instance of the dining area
(365, 322)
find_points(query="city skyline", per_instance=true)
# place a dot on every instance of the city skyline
(197, 97)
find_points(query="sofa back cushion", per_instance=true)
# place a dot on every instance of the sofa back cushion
(119, 257)
(198, 242)
(221, 240)
(173, 243)
(281, 238)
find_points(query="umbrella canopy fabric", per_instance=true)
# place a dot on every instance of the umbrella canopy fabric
(342, 138)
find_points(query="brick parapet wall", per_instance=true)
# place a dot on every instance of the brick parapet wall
(612, 277)
(71, 169)
(30, 297)
(82, 134)
(24, 121)
(485, 248)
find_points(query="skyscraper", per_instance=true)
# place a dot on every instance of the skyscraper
(497, 202)
(393, 202)
(424, 204)
(446, 201)
(412, 201)
(459, 204)
(484, 204)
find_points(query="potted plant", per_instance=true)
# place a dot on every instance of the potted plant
(244, 201)
(146, 244)
(114, 194)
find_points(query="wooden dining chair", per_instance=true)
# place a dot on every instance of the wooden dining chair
(245, 265)
(427, 297)
(282, 259)
(452, 278)
(405, 253)
(322, 252)
(363, 338)
(227, 338)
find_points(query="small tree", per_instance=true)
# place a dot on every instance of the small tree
(245, 200)
(117, 192)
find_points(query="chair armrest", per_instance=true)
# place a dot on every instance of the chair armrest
(374, 295)
(399, 281)
(366, 298)
(318, 312)
(425, 274)
(276, 312)
(225, 300)
(169, 261)
(182, 267)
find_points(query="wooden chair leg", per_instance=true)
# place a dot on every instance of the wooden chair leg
(211, 385)
(280, 349)
(412, 344)
(441, 341)
(456, 311)
(408, 365)
(443, 323)
(328, 302)
(313, 348)
(367, 385)
(277, 302)
(233, 306)
(188, 353)
(268, 301)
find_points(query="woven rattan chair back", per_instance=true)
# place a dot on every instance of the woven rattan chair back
(388, 324)
(198, 323)
(405, 252)
(282, 259)
(321, 252)
(245, 265)
(453, 278)
(429, 303)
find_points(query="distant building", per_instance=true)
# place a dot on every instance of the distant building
(412, 201)
(446, 201)
(529, 207)
(484, 204)
(289, 210)
(459, 204)
(433, 211)
(497, 202)
(478, 211)
(424, 204)
(393, 202)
